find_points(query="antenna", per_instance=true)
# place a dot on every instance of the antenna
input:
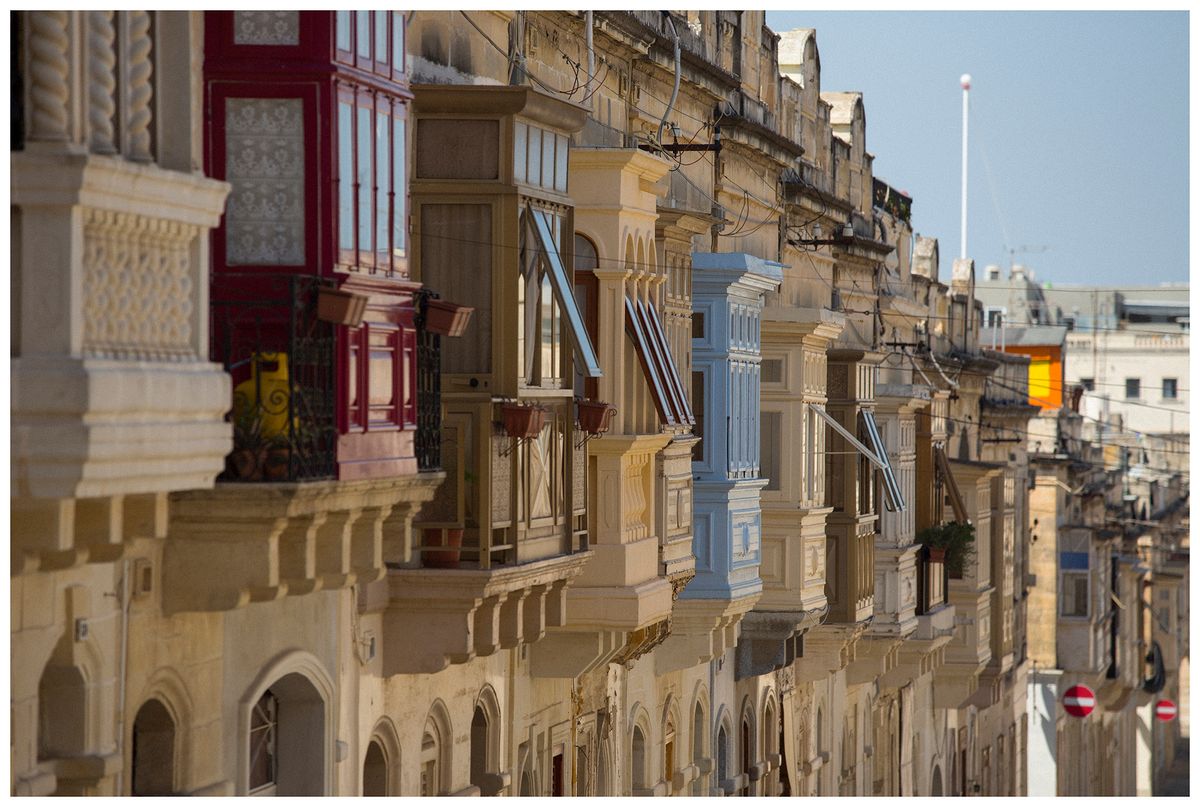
(1023, 250)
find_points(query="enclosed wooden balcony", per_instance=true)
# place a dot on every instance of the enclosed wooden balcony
(850, 565)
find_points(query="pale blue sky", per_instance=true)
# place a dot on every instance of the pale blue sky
(1081, 117)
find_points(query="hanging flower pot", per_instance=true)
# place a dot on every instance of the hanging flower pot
(523, 421)
(341, 307)
(450, 538)
(447, 318)
(595, 417)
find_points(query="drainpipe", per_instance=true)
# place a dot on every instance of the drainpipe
(674, 90)
(123, 596)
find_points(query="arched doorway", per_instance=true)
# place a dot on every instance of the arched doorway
(375, 772)
(935, 782)
(153, 751)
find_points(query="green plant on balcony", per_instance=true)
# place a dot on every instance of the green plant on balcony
(955, 540)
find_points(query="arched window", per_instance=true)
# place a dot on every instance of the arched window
(264, 723)
(722, 757)
(287, 739)
(485, 744)
(669, 754)
(770, 747)
(638, 761)
(153, 751)
(375, 771)
(935, 785)
(745, 752)
(699, 732)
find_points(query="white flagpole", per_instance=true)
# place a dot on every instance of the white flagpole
(965, 80)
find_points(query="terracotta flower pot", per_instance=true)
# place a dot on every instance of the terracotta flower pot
(442, 558)
(595, 417)
(447, 318)
(936, 554)
(341, 307)
(523, 421)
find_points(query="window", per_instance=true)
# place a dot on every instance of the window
(549, 296)
(1088, 384)
(1133, 388)
(951, 486)
(371, 183)
(698, 429)
(771, 442)
(587, 295)
(1074, 596)
(995, 317)
(638, 761)
(372, 40)
(649, 340)
(1170, 388)
(263, 723)
(893, 497)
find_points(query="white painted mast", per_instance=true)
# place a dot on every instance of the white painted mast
(965, 80)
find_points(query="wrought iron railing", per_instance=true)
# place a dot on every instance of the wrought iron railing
(266, 333)
(427, 441)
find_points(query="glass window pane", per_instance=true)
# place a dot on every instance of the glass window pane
(585, 353)
(382, 171)
(534, 167)
(547, 160)
(381, 32)
(343, 30)
(399, 187)
(363, 18)
(345, 177)
(398, 40)
(365, 176)
(520, 136)
(560, 171)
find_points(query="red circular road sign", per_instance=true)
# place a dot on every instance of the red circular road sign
(1165, 710)
(1079, 701)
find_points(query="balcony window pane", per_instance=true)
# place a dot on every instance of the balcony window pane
(399, 187)
(772, 448)
(398, 40)
(365, 178)
(584, 352)
(520, 136)
(381, 32)
(345, 177)
(534, 165)
(343, 30)
(547, 160)
(363, 18)
(560, 170)
(382, 176)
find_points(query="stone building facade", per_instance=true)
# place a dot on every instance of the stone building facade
(656, 521)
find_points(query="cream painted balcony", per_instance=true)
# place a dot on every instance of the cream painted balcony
(971, 594)
(114, 403)
(638, 474)
(793, 570)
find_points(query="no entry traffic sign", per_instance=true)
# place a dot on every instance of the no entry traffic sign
(1165, 710)
(1079, 701)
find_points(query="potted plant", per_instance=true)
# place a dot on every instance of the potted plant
(954, 541)
(595, 417)
(447, 318)
(449, 537)
(250, 448)
(340, 307)
(523, 421)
